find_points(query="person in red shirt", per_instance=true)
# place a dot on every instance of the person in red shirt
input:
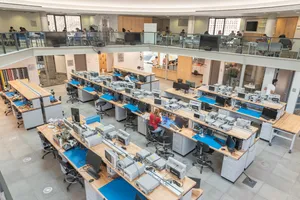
(154, 121)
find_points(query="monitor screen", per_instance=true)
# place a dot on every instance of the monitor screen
(93, 160)
(195, 107)
(130, 86)
(211, 88)
(82, 82)
(56, 38)
(97, 88)
(191, 84)
(176, 86)
(108, 156)
(230, 143)
(127, 90)
(142, 106)
(180, 122)
(270, 113)
(220, 101)
(85, 75)
(157, 95)
(185, 86)
(142, 78)
(241, 95)
(209, 42)
(251, 26)
(157, 101)
(75, 115)
(133, 37)
(105, 83)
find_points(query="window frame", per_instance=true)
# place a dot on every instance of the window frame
(64, 20)
(216, 18)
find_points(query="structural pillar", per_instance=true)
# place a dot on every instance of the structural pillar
(270, 25)
(242, 75)
(191, 24)
(44, 21)
(269, 76)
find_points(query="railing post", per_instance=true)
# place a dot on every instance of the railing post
(16, 41)
(3, 46)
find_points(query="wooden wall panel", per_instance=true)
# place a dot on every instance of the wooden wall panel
(280, 26)
(184, 68)
(287, 26)
(132, 23)
(102, 62)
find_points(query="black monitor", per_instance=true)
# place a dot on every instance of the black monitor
(209, 42)
(185, 86)
(220, 101)
(130, 86)
(142, 106)
(157, 95)
(105, 83)
(134, 38)
(108, 156)
(56, 39)
(75, 115)
(116, 96)
(230, 143)
(176, 86)
(269, 113)
(127, 90)
(85, 75)
(241, 95)
(94, 161)
(180, 122)
(137, 197)
(191, 84)
(97, 88)
(205, 106)
(142, 78)
(157, 101)
(82, 82)
(211, 88)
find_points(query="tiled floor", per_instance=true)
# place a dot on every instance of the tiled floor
(275, 170)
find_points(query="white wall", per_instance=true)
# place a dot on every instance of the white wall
(88, 20)
(131, 60)
(31, 65)
(296, 45)
(201, 25)
(269, 76)
(92, 62)
(221, 72)
(174, 28)
(69, 57)
(18, 19)
(60, 64)
(293, 96)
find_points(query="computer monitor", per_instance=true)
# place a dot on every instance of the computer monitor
(268, 113)
(210, 42)
(241, 95)
(230, 143)
(75, 115)
(180, 122)
(157, 101)
(220, 101)
(85, 75)
(191, 84)
(127, 90)
(117, 96)
(176, 86)
(94, 161)
(105, 83)
(157, 95)
(97, 88)
(205, 106)
(142, 78)
(185, 86)
(142, 107)
(211, 88)
(82, 82)
(138, 197)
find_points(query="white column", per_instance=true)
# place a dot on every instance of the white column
(242, 75)
(293, 96)
(270, 26)
(206, 73)
(269, 76)
(191, 24)
(221, 72)
(44, 21)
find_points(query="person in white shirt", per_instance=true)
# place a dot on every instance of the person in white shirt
(270, 89)
(127, 78)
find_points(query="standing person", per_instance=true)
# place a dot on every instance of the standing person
(239, 34)
(154, 121)
(232, 34)
(65, 29)
(123, 30)
(155, 61)
(167, 30)
(270, 89)
(182, 33)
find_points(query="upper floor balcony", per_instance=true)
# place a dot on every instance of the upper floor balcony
(288, 48)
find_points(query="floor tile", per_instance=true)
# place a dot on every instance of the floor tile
(285, 173)
(270, 193)
(219, 182)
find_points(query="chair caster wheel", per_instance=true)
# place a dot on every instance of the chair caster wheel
(270, 144)
(193, 164)
(146, 145)
(290, 151)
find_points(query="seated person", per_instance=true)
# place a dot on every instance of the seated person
(154, 120)
(286, 43)
(127, 78)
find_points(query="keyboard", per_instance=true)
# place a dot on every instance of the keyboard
(265, 117)
(92, 173)
(219, 142)
(174, 127)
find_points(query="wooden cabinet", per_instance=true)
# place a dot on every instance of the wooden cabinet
(287, 26)
(132, 23)
(102, 62)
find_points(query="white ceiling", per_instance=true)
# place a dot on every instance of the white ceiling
(156, 7)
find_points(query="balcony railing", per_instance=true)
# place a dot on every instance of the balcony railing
(261, 46)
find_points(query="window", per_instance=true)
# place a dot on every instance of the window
(223, 26)
(59, 22)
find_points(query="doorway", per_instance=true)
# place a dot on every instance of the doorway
(285, 78)
(80, 62)
(214, 72)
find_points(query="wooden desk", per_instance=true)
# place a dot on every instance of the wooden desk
(23, 89)
(138, 72)
(41, 91)
(288, 124)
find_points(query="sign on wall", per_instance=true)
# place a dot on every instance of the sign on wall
(120, 57)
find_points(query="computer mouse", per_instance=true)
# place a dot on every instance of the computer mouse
(91, 180)
(223, 149)
(123, 147)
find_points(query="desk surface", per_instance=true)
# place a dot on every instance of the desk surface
(21, 109)
(139, 72)
(23, 89)
(289, 123)
(38, 89)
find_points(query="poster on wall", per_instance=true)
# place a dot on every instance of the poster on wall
(70, 63)
(120, 57)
